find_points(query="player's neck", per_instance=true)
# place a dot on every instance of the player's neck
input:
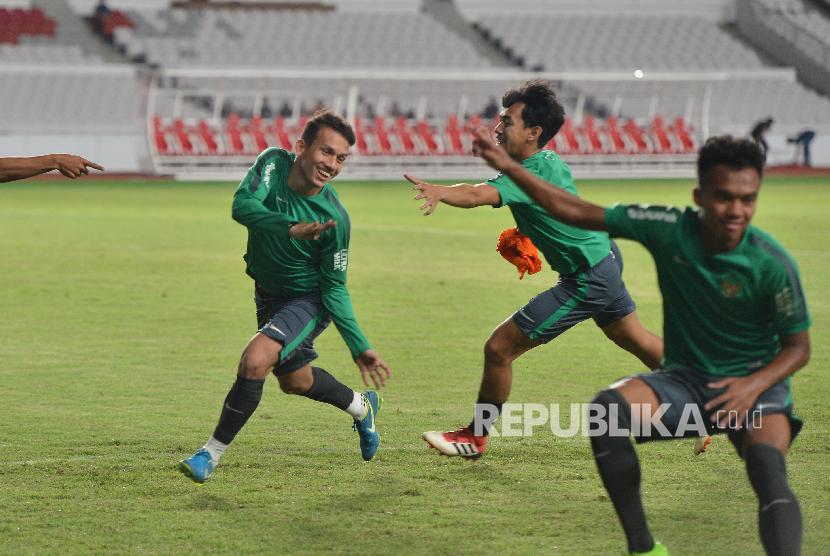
(525, 154)
(714, 245)
(299, 185)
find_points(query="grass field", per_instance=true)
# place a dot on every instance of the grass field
(124, 310)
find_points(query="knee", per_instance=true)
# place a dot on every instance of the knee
(497, 352)
(255, 365)
(291, 386)
(611, 403)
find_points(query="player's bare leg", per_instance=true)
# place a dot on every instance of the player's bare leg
(256, 363)
(633, 337)
(779, 514)
(506, 344)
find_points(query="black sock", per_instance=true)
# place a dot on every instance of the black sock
(620, 471)
(328, 389)
(240, 403)
(779, 515)
(486, 413)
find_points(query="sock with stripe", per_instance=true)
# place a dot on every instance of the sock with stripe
(240, 403)
(619, 469)
(328, 389)
(779, 515)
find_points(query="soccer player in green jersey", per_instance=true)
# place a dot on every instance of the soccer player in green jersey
(735, 327)
(589, 265)
(70, 165)
(298, 254)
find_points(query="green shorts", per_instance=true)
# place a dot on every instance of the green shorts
(597, 292)
(681, 387)
(295, 323)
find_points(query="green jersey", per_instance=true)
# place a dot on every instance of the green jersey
(287, 267)
(723, 313)
(566, 248)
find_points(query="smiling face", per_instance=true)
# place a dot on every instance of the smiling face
(319, 162)
(515, 138)
(727, 200)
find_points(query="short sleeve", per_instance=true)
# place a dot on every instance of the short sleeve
(649, 225)
(509, 192)
(791, 315)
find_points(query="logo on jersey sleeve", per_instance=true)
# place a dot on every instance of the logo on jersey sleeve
(268, 173)
(785, 302)
(645, 212)
(341, 260)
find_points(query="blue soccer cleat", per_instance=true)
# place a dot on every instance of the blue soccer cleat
(369, 438)
(198, 467)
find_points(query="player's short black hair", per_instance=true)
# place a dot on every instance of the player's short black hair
(542, 108)
(736, 153)
(331, 119)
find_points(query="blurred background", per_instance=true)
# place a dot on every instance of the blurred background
(195, 89)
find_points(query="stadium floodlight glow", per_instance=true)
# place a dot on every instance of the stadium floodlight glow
(638, 73)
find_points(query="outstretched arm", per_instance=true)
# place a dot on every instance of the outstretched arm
(562, 205)
(69, 165)
(463, 195)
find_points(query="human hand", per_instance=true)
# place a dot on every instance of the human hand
(373, 367)
(72, 166)
(486, 148)
(430, 193)
(309, 230)
(738, 399)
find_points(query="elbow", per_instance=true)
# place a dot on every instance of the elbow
(805, 354)
(237, 212)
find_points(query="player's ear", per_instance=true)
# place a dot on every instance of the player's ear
(697, 195)
(299, 147)
(533, 136)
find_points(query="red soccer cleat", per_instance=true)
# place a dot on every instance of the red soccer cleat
(457, 443)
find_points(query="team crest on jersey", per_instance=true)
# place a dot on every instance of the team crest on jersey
(730, 289)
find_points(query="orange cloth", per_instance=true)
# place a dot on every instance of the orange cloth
(519, 251)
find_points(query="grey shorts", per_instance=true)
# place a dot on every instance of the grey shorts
(295, 323)
(598, 292)
(679, 387)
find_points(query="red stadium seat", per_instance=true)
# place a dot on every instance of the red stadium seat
(617, 140)
(454, 134)
(282, 134)
(404, 136)
(207, 136)
(684, 135)
(637, 137)
(382, 136)
(658, 131)
(590, 131)
(182, 136)
(255, 129)
(424, 132)
(571, 143)
(360, 136)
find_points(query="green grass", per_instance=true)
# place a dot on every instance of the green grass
(125, 307)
